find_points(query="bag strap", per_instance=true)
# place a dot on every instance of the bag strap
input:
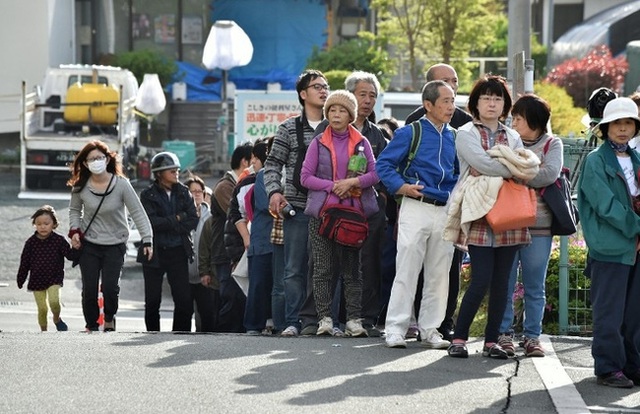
(546, 145)
(104, 195)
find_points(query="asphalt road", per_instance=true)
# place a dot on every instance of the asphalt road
(133, 371)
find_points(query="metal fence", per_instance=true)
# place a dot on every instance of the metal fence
(574, 294)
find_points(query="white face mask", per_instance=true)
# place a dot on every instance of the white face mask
(98, 166)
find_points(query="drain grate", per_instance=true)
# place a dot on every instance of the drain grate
(9, 303)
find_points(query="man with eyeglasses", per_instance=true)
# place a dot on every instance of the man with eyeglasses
(288, 151)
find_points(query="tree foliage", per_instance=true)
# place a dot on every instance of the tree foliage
(500, 46)
(362, 53)
(565, 117)
(147, 61)
(579, 77)
(431, 31)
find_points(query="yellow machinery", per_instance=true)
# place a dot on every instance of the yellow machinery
(92, 103)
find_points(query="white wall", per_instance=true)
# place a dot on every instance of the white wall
(35, 34)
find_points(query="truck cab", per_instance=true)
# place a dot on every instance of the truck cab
(74, 105)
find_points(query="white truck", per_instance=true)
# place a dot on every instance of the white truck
(75, 104)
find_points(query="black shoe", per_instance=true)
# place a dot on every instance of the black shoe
(635, 377)
(457, 350)
(310, 329)
(110, 326)
(495, 352)
(615, 379)
(447, 334)
(372, 331)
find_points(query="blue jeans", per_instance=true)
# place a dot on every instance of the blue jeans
(277, 291)
(533, 260)
(258, 307)
(296, 264)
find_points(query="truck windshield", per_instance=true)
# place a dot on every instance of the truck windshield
(73, 79)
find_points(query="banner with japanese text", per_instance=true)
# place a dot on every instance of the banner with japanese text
(258, 113)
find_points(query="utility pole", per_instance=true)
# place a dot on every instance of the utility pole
(519, 40)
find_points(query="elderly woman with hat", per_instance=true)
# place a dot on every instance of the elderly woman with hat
(609, 208)
(324, 173)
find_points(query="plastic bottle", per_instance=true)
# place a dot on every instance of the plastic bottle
(357, 166)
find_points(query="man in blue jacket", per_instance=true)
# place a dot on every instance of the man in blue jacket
(425, 184)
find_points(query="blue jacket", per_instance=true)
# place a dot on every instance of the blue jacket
(435, 165)
(260, 238)
(609, 223)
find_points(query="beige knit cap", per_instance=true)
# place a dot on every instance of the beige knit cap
(344, 98)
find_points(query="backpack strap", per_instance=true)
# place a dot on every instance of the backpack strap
(302, 150)
(416, 137)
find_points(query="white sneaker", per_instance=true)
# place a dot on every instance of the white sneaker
(395, 341)
(433, 340)
(337, 332)
(290, 331)
(325, 326)
(354, 328)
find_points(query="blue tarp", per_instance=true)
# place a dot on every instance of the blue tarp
(283, 36)
(199, 82)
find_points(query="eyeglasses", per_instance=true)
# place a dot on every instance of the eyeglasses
(319, 87)
(98, 158)
(487, 98)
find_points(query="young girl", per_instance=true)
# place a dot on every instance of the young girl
(43, 261)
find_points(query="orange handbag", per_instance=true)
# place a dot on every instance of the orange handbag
(514, 208)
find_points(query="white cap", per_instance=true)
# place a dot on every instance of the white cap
(619, 108)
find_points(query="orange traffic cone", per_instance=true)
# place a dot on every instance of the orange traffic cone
(101, 307)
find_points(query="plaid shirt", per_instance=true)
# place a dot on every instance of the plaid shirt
(480, 233)
(277, 231)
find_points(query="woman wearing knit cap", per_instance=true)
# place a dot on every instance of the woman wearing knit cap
(324, 173)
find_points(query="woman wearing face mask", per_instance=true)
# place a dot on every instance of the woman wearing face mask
(98, 222)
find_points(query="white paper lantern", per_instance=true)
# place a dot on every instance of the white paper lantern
(227, 46)
(151, 99)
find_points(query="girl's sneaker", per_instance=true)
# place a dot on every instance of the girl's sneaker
(61, 326)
